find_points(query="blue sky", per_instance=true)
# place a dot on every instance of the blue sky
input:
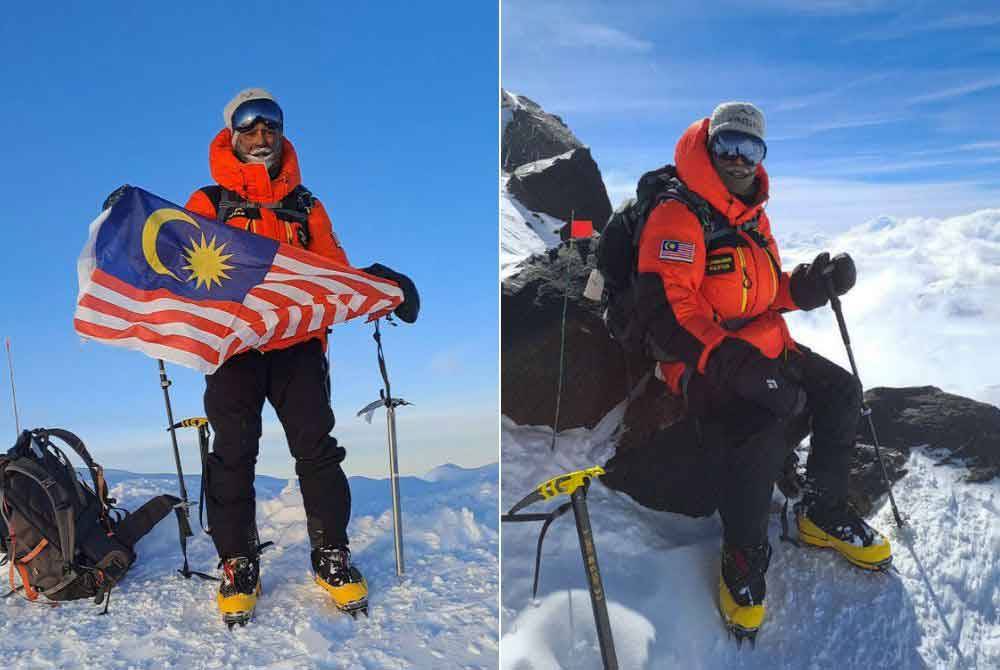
(392, 108)
(873, 107)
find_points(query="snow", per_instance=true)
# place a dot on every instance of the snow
(523, 232)
(443, 614)
(660, 575)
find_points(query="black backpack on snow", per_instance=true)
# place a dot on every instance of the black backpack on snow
(617, 253)
(293, 208)
(62, 538)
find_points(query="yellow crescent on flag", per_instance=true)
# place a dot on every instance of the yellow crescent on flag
(151, 230)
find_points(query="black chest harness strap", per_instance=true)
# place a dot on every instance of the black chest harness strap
(294, 208)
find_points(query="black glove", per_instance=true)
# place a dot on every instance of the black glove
(410, 307)
(114, 197)
(808, 283)
(843, 273)
(738, 365)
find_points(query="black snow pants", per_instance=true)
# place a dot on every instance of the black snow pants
(753, 443)
(296, 383)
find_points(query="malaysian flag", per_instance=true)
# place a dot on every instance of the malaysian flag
(177, 286)
(675, 250)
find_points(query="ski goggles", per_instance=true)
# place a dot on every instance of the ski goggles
(246, 116)
(732, 144)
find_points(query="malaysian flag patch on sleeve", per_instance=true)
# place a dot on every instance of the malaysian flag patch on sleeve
(675, 250)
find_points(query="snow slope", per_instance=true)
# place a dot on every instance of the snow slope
(442, 615)
(660, 574)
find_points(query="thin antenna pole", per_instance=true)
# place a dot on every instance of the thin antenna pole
(562, 336)
(13, 391)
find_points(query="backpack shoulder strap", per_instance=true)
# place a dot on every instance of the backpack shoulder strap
(296, 207)
(663, 184)
(96, 471)
(214, 194)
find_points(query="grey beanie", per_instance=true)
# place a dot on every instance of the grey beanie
(742, 116)
(241, 97)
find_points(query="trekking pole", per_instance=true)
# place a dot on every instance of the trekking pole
(183, 520)
(13, 392)
(865, 409)
(386, 400)
(575, 485)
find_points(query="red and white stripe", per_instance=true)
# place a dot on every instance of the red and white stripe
(302, 294)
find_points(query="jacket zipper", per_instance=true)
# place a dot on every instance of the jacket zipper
(774, 276)
(746, 283)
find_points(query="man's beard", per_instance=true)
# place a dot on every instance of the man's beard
(264, 155)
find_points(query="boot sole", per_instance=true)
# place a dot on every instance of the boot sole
(821, 543)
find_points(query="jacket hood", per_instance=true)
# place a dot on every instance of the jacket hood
(694, 166)
(251, 180)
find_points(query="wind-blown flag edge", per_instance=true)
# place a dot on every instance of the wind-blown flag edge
(160, 324)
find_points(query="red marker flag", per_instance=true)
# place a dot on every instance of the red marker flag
(580, 228)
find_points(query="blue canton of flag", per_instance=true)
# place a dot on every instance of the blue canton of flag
(675, 250)
(177, 286)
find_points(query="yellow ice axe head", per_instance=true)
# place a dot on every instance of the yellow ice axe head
(569, 482)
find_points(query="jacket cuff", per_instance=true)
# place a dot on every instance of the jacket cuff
(783, 301)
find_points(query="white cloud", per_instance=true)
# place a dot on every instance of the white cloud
(840, 123)
(956, 91)
(828, 7)
(908, 25)
(569, 34)
(979, 146)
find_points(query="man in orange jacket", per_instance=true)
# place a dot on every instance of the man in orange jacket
(259, 188)
(729, 351)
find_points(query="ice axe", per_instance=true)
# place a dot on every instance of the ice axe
(386, 400)
(865, 409)
(182, 509)
(575, 485)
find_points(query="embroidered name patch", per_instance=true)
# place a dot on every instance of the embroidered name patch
(675, 250)
(721, 264)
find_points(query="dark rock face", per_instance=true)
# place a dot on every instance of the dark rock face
(967, 431)
(568, 184)
(595, 375)
(531, 134)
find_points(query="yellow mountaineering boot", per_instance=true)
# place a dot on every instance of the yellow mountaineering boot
(344, 582)
(840, 528)
(239, 589)
(742, 589)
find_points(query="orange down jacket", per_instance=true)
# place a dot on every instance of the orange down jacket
(740, 283)
(252, 181)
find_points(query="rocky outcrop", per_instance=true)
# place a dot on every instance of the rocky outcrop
(597, 375)
(566, 185)
(530, 133)
(959, 429)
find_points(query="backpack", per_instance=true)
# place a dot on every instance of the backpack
(62, 538)
(618, 246)
(293, 208)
